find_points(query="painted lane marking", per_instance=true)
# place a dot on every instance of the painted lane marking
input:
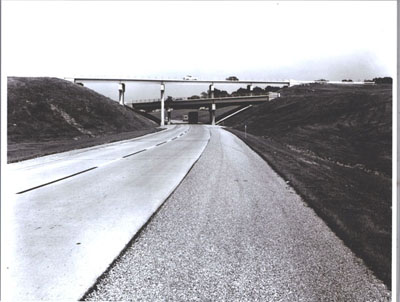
(134, 153)
(51, 182)
(87, 170)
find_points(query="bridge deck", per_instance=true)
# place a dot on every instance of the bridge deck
(196, 103)
(183, 81)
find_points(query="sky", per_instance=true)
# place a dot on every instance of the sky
(264, 40)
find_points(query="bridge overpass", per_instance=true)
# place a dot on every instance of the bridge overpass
(160, 81)
(211, 102)
(204, 102)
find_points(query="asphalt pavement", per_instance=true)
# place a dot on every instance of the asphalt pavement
(235, 231)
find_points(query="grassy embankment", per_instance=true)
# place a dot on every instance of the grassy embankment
(50, 115)
(333, 145)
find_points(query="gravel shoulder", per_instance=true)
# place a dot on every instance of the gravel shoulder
(334, 144)
(235, 231)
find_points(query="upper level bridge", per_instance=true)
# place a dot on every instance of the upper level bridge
(211, 102)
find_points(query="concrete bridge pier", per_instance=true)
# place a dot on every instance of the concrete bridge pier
(212, 114)
(212, 108)
(250, 88)
(162, 88)
(211, 91)
(169, 111)
(121, 89)
(78, 83)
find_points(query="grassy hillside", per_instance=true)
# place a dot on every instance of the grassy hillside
(47, 115)
(333, 144)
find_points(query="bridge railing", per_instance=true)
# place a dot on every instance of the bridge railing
(146, 100)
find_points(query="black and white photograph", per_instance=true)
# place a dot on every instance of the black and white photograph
(199, 151)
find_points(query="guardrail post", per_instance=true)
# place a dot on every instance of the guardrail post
(212, 113)
(211, 91)
(162, 88)
(121, 89)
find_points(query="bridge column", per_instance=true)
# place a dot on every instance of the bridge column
(169, 111)
(250, 88)
(211, 91)
(212, 114)
(78, 83)
(121, 89)
(162, 104)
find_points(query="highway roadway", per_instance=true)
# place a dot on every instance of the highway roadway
(235, 231)
(65, 217)
(231, 230)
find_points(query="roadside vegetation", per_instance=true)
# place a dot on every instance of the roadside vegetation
(333, 144)
(50, 115)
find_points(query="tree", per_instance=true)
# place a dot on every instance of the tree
(272, 89)
(240, 92)
(204, 95)
(220, 93)
(258, 91)
(168, 101)
(385, 80)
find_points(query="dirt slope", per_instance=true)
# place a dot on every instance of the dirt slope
(333, 144)
(44, 110)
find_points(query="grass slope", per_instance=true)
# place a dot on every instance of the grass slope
(47, 115)
(333, 144)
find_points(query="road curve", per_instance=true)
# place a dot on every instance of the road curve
(66, 217)
(235, 231)
(31, 173)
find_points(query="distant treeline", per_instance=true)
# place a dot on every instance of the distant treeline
(240, 92)
(385, 80)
